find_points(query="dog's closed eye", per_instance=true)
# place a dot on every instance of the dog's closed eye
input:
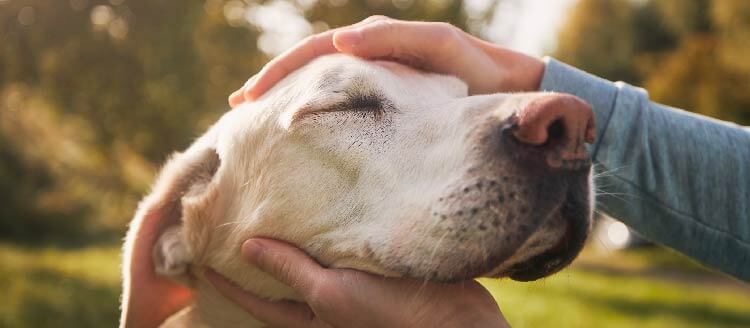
(361, 102)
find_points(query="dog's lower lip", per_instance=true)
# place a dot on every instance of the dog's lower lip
(557, 257)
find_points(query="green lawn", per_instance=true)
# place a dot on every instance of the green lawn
(649, 288)
(59, 288)
(643, 288)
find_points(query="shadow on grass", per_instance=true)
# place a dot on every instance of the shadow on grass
(698, 312)
(698, 276)
(51, 299)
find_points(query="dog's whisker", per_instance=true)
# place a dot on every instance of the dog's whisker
(619, 196)
(606, 170)
(247, 183)
(437, 246)
(229, 223)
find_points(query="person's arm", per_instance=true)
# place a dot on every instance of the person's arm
(678, 178)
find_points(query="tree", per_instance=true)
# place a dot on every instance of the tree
(94, 95)
(688, 54)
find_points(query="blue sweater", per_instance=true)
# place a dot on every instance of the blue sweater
(678, 178)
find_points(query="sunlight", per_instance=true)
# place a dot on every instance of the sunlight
(275, 37)
(528, 26)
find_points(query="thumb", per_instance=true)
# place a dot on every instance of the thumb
(284, 262)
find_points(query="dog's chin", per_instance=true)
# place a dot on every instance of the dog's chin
(549, 248)
(535, 254)
(542, 263)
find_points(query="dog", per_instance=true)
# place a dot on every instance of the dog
(374, 166)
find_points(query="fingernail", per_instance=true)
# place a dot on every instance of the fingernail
(349, 37)
(253, 249)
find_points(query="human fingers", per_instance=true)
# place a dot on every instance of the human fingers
(148, 298)
(276, 313)
(151, 308)
(410, 42)
(238, 97)
(286, 263)
(305, 51)
(279, 67)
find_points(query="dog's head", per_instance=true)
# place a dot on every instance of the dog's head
(378, 167)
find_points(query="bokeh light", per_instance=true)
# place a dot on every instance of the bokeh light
(27, 16)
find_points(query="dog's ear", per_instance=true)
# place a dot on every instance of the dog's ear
(155, 246)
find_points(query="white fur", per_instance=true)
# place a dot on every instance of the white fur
(351, 188)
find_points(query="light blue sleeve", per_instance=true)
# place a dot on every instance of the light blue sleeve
(679, 179)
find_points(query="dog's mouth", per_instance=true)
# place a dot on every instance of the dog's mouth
(522, 230)
(575, 218)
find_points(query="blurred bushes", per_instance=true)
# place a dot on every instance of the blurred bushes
(51, 287)
(94, 94)
(688, 54)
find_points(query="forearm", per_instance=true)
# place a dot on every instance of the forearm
(678, 178)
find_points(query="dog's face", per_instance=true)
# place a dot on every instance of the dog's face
(378, 167)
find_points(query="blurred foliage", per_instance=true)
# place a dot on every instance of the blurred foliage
(50, 287)
(687, 54)
(94, 94)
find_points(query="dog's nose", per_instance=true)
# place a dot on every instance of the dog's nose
(558, 124)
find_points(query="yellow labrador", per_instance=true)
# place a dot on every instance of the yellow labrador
(377, 167)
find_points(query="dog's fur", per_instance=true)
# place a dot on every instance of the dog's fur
(365, 165)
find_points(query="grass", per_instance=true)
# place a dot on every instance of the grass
(59, 288)
(643, 288)
(647, 288)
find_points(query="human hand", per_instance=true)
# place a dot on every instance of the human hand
(148, 298)
(345, 298)
(435, 47)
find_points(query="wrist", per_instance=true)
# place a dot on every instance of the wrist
(524, 72)
(521, 72)
(533, 71)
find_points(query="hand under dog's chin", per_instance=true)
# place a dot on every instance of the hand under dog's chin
(370, 267)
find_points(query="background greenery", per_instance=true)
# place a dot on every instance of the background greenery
(94, 94)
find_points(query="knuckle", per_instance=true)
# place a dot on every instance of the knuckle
(446, 31)
(446, 36)
(286, 271)
(375, 18)
(275, 69)
(377, 26)
(308, 40)
(386, 30)
(247, 92)
(445, 26)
